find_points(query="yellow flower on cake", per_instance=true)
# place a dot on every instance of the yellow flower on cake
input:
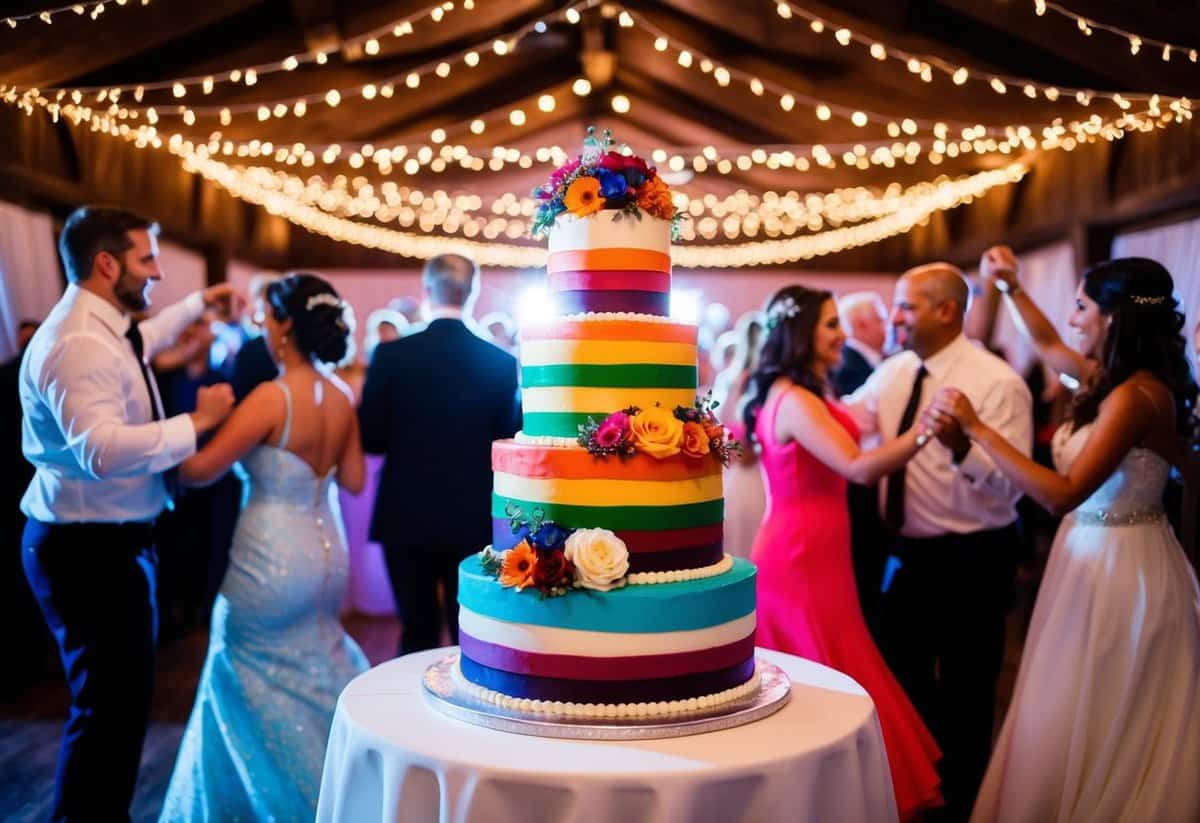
(583, 196)
(516, 567)
(657, 432)
(600, 558)
(695, 440)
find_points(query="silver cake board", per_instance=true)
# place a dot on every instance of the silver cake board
(446, 693)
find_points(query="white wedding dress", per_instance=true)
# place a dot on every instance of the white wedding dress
(1105, 719)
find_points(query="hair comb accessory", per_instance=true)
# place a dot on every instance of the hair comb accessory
(324, 299)
(785, 309)
(1143, 300)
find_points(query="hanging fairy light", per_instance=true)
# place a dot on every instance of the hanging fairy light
(1088, 26)
(92, 9)
(924, 65)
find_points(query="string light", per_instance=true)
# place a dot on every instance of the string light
(1086, 26)
(924, 65)
(91, 9)
(789, 98)
(412, 79)
(945, 194)
(250, 74)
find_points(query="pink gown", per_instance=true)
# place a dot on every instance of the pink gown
(808, 604)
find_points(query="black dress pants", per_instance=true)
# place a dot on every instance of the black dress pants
(415, 572)
(942, 634)
(94, 583)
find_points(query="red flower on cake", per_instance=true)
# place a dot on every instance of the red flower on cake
(553, 571)
(518, 566)
(613, 430)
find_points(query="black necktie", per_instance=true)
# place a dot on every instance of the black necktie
(171, 475)
(893, 510)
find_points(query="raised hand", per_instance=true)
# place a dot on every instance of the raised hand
(213, 405)
(225, 301)
(999, 264)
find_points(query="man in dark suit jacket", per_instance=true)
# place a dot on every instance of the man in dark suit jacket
(864, 319)
(433, 403)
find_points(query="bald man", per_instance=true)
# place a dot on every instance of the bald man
(953, 516)
(433, 403)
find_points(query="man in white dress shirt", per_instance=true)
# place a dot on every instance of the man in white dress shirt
(953, 513)
(96, 435)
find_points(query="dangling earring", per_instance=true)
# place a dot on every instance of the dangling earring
(279, 352)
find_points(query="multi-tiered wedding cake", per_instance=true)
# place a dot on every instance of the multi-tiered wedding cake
(607, 592)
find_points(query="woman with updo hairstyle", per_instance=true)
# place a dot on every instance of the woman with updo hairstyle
(277, 656)
(1104, 722)
(808, 604)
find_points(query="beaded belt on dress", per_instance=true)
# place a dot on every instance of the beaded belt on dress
(1100, 517)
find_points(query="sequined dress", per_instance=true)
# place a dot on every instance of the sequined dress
(277, 656)
(1104, 723)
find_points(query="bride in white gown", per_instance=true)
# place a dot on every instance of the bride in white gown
(1105, 718)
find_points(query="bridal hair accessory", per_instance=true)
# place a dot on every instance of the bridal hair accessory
(1143, 300)
(323, 299)
(785, 309)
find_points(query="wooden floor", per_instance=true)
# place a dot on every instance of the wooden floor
(30, 724)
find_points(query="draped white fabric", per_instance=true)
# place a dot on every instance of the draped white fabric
(1048, 275)
(393, 757)
(30, 278)
(1176, 246)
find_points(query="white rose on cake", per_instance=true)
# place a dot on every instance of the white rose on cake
(600, 558)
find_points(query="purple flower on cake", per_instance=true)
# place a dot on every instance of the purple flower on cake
(600, 558)
(613, 430)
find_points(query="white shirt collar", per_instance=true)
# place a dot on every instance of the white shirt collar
(873, 356)
(938, 364)
(106, 312)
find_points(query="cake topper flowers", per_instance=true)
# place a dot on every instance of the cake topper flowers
(603, 177)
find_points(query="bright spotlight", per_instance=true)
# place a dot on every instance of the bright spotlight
(534, 306)
(685, 305)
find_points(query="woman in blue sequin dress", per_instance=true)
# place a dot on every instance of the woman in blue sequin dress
(277, 657)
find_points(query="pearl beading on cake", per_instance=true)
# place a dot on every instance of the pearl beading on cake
(545, 440)
(1107, 518)
(662, 708)
(720, 567)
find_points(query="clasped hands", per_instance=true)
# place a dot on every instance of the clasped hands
(948, 417)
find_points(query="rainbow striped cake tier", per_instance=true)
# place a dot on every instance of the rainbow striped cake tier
(610, 262)
(637, 644)
(669, 513)
(593, 365)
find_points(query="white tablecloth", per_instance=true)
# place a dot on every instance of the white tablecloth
(392, 757)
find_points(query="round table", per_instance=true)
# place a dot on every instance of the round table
(392, 757)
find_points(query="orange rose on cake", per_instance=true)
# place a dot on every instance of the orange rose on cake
(695, 440)
(657, 432)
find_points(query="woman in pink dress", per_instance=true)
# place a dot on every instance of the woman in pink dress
(807, 601)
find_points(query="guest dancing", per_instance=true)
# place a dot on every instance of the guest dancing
(1105, 718)
(277, 656)
(95, 432)
(807, 601)
(942, 617)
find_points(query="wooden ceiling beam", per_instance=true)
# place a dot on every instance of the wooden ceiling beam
(78, 46)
